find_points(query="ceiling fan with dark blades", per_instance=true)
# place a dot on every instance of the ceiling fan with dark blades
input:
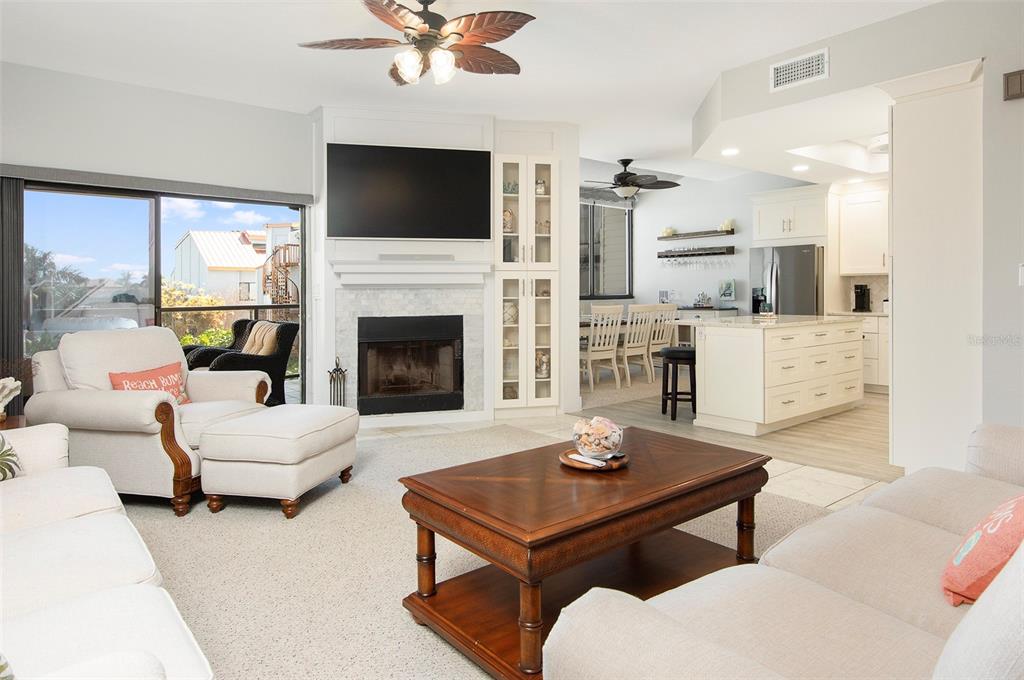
(435, 43)
(625, 184)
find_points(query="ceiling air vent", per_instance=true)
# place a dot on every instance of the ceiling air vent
(800, 70)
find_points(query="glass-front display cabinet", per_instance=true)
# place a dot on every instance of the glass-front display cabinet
(526, 229)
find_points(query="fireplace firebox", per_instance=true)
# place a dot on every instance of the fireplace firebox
(409, 364)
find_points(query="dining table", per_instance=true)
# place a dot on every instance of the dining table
(687, 324)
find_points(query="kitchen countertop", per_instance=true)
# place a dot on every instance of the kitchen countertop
(691, 308)
(783, 321)
(858, 313)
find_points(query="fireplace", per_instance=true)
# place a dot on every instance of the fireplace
(409, 364)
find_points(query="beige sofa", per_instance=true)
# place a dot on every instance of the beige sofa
(79, 590)
(142, 439)
(853, 595)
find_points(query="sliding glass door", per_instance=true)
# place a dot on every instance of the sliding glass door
(98, 259)
(88, 264)
(222, 261)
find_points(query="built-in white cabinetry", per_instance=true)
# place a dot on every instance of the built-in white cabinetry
(791, 213)
(876, 350)
(526, 241)
(528, 323)
(526, 221)
(864, 233)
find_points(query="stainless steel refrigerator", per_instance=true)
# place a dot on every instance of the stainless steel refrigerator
(793, 278)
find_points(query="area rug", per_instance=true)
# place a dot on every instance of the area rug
(320, 596)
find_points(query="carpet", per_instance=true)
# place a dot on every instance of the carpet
(320, 596)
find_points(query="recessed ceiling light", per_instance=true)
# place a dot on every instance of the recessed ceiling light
(855, 180)
(801, 168)
(730, 151)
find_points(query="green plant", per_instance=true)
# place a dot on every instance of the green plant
(211, 337)
(176, 294)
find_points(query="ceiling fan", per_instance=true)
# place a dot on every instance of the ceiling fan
(625, 184)
(436, 44)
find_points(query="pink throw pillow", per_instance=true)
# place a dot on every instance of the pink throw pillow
(165, 378)
(984, 551)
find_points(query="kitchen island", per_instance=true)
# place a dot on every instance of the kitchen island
(759, 374)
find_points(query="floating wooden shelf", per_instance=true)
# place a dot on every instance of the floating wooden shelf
(697, 252)
(697, 234)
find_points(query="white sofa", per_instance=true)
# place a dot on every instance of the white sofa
(79, 589)
(856, 594)
(143, 440)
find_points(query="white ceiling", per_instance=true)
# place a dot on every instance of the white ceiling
(820, 134)
(630, 73)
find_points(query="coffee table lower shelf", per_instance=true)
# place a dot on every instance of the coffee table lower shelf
(478, 611)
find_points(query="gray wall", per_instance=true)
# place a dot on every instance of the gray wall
(60, 120)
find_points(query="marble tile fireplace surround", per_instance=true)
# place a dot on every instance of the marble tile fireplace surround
(379, 299)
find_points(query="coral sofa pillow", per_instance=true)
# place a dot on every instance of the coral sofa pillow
(166, 378)
(984, 551)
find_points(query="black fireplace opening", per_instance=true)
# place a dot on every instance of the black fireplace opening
(409, 364)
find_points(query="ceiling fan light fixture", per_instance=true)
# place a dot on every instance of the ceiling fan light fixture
(442, 65)
(410, 65)
(625, 191)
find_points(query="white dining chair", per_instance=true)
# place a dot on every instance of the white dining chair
(636, 340)
(605, 322)
(663, 331)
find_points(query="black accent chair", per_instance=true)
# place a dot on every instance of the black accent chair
(230, 358)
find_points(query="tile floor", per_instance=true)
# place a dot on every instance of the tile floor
(817, 486)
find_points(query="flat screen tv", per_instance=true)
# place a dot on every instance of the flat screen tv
(395, 192)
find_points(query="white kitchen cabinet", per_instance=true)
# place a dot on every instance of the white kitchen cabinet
(864, 233)
(526, 223)
(753, 378)
(528, 333)
(791, 213)
(876, 350)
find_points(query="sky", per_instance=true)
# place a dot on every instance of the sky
(105, 236)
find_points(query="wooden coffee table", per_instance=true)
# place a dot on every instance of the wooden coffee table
(542, 525)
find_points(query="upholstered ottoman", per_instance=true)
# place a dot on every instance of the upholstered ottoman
(280, 453)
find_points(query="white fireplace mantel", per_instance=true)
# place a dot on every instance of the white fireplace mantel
(404, 273)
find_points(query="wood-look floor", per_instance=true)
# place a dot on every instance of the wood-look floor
(855, 442)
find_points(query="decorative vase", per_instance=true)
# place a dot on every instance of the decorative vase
(508, 224)
(542, 187)
(543, 364)
(510, 312)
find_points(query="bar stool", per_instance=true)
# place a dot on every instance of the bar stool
(674, 357)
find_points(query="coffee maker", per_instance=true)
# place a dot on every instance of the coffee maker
(861, 298)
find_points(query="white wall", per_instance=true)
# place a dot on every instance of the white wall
(59, 120)
(697, 205)
(936, 313)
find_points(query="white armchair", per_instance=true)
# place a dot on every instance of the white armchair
(143, 439)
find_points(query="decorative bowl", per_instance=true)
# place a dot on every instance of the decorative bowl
(597, 438)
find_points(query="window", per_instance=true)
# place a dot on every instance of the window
(109, 259)
(87, 264)
(606, 252)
